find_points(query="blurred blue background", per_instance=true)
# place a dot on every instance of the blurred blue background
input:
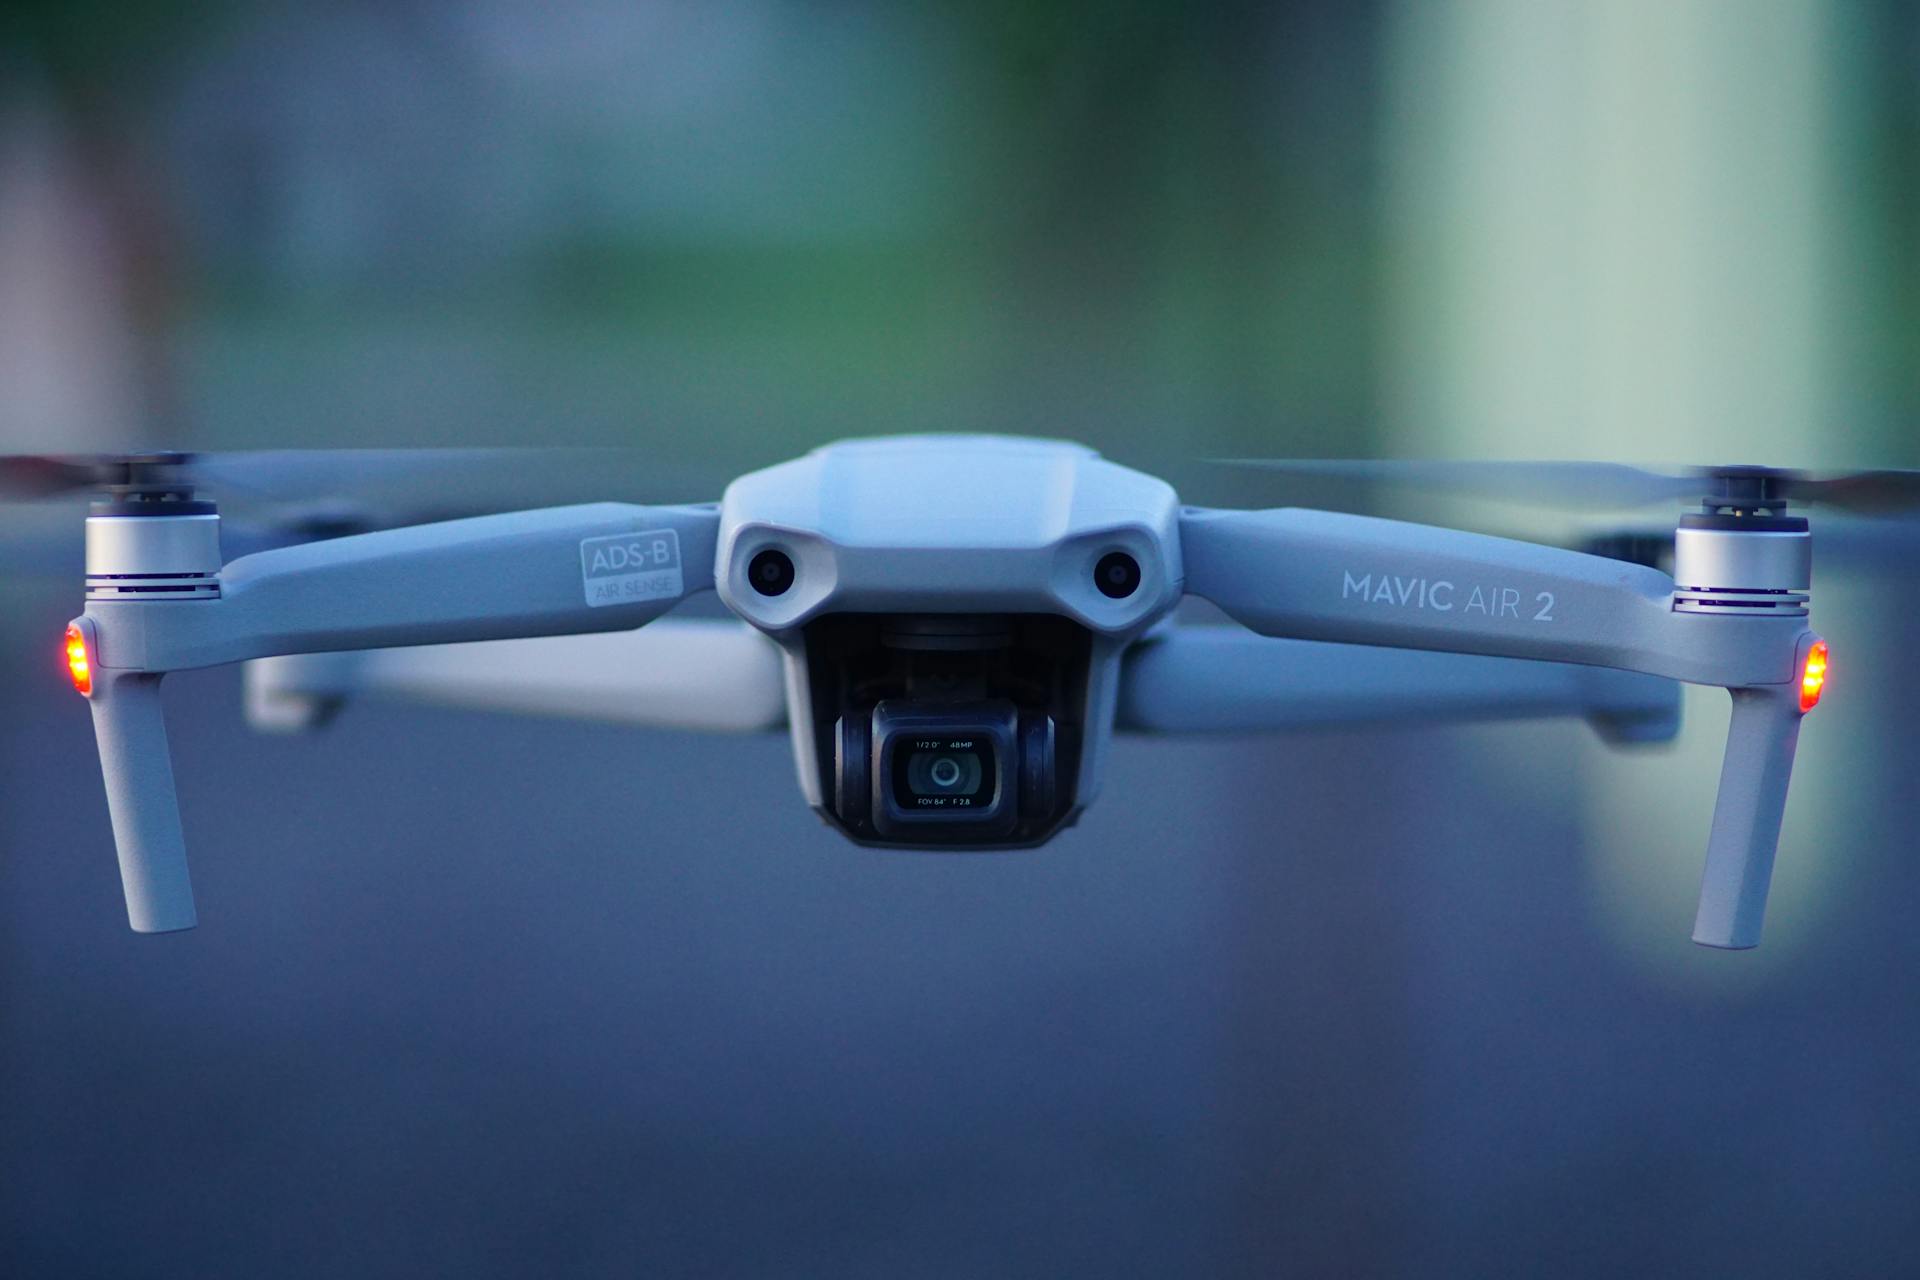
(492, 996)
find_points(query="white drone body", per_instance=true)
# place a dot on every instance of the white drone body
(952, 629)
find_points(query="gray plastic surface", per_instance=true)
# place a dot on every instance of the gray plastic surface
(486, 578)
(723, 676)
(1761, 739)
(967, 524)
(952, 524)
(1321, 575)
(1204, 679)
(703, 674)
(1358, 580)
(492, 577)
(141, 801)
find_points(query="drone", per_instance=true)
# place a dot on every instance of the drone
(952, 628)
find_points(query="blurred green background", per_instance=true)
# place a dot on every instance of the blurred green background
(1651, 230)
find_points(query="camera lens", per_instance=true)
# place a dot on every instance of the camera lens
(1117, 575)
(935, 773)
(770, 572)
(946, 772)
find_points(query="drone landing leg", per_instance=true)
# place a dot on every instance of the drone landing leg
(141, 803)
(1747, 815)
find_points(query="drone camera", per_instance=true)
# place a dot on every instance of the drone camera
(945, 766)
(949, 770)
(950, 730)
(934, 774)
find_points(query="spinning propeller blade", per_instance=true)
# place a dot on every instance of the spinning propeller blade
(1600, 485)
(30, 476)
(393, 486)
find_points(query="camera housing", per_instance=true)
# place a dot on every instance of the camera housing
(948, 767)
(949, 729)
(964, 588)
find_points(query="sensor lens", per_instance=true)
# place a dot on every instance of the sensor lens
(770, 572)
(1117, 575)
(943, 772)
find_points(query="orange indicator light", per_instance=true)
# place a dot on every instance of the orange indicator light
(1813, 676)
(78, 664)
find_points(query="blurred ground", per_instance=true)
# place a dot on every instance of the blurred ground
(489, 996)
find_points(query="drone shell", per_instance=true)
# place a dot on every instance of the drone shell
(938, 524)
(952, 524)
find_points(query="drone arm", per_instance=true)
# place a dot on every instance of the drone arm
(679, 673)
(1353, 579)
(1317, 575)
(1202, 679)
(563, 570)
(599, 567)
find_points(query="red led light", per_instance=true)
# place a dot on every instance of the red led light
(1813, 675)
(79, 665)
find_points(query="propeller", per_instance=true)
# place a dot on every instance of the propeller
(286, 496)
(1603, 485)
(392, 486)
